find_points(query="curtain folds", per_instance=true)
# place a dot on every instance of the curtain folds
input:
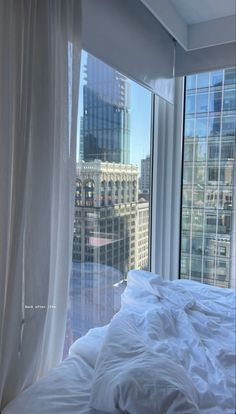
(40, 46)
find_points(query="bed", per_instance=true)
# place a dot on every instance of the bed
(170, 349)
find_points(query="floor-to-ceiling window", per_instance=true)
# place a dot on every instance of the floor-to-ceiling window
(112, 194)
(208, 187)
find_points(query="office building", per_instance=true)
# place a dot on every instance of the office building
(105, 216)
(145, 175)
(208, 200)
(142, 235)
(105, 124)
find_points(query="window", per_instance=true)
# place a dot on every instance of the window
(216, 78)
(230, 100)
(203, 80)
(202, 102)
(208, 201)
(112, 191)
(201, 127)
(190, 104)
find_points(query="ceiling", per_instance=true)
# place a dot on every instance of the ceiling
(203, 10)
(196, 24)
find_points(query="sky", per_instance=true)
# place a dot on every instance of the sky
(140, 118)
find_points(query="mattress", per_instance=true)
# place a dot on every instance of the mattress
(169, 350)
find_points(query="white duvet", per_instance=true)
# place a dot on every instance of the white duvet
(170, 349)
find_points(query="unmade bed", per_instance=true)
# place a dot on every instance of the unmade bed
(169, 350)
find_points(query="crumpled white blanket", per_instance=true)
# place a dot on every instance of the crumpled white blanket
(170, 349)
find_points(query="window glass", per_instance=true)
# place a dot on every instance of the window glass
(202, 80)
(185, 243)
(196, 268)
(199, 175)
(229, 126)
(185, 266)
(230, 76)
(214, 125)
(186, 219)
(200, 150)
(191, 82)
(201, 127)
(188, 174)
(230, 100)
(202, 102)
(208, 188)
(215, 101)
(216, 78)
(213, 151)
(189, 128)
(190, 104)
(112, 194)
(187, 197)
(197, 245)
(227, 150)
(188, 152)
(198, 197)
(197, 220)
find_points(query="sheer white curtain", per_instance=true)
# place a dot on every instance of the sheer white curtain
(39, 82)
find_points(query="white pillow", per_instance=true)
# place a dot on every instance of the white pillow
(146, 384)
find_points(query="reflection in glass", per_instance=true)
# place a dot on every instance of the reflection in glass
(186, 219)
(185, 243)
(196, 268)
(197, 242)
(197, 220)
(230, 76)
(199, 176)
(200, 150)
(188, 174)
(191, 82)
(185, 266)
(213, 151)
(201, 127)
(214, 124)
(190, 104)
(216, 78)
(188, 152)
(208, 271)
(208, 188)
(215, 101)
(189, 128)
(230, 100)
(198, 198)
(229, 126)
(187, 197)
(203, 80)
(227, 150)
(202, 102)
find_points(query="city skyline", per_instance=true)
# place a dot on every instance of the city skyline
(111, 224)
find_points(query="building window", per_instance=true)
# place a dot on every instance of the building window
(208, 207)
(113, 180)
(89, 193)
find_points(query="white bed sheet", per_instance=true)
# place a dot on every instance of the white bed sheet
(170, 349)
(188, 323)
(65, 390)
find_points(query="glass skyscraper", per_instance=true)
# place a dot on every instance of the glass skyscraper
(105, 124)
(208, 193)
